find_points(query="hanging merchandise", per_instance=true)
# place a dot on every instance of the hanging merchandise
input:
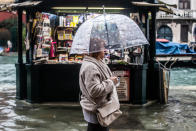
(78, 58)
(27, 42)
(52, 50)
(63, 58)
(71, 58)
(68, 34)
(46, 28)
(68, 43)
(45, 50)
(34, 52)
(39, 52)
(61, 21)
(69, 21)
(35, 22)
(39, 39)
(42, 35)
(75, 20)
(61, 34)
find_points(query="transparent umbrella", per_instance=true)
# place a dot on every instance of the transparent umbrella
(109, 31)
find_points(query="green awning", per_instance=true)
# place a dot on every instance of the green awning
(161, 5)
(167, 4)
(167, 10)
(146, 4)
(6, 1)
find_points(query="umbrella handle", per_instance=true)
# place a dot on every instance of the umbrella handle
(105, 24)
(103, 9)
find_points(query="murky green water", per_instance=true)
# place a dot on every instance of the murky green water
(8, 59)
(16, 115)
(183, 77)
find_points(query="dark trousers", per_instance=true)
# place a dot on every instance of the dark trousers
(96, 127)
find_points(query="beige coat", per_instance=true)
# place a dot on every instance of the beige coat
(94, 82)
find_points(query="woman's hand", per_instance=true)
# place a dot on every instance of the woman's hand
(114, 79)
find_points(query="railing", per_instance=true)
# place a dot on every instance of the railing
(181, 14)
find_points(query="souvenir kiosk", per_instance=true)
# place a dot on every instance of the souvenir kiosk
(51, 74)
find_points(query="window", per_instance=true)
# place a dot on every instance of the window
(184, 4)
(184, 33)
(194, 32)
(165, 32)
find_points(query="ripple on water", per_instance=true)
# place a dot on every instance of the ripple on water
(8, 59)
(9, 87)
(7, 77)
(11, 125)
(183, 77)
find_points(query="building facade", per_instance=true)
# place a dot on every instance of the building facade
(181, 26)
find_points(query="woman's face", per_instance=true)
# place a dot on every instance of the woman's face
(101, 54)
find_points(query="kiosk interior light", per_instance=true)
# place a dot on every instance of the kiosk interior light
(89, 8)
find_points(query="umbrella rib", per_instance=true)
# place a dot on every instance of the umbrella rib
(106, 29)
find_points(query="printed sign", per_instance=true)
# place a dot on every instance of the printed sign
(120, 73)
(123, 89)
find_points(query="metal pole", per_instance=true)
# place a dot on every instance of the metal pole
(27, 32)
(152, 89)
(20, 68)
(146, 47)
(147, 25)
(31, 50)
(153, 34)
(20, 56)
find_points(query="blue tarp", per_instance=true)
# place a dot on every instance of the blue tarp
(172, 48)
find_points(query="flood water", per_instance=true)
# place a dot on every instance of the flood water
(178, 115)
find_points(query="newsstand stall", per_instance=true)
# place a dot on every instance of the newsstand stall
(52, 74)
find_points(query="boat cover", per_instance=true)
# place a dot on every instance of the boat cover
(172, 48)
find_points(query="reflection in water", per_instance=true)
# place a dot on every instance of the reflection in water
(17, 115)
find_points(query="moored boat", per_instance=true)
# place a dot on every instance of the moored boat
(167, 52)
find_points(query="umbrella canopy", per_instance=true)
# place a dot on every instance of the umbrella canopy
(113, 31)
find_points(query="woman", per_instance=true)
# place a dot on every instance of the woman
(96, 83)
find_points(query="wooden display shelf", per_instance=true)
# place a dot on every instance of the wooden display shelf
(66, 26)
